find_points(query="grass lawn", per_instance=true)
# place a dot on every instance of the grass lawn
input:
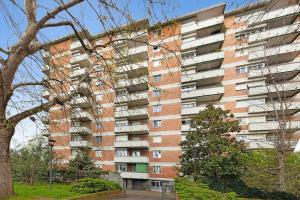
(41, 192)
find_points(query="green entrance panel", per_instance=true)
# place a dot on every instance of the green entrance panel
(142, 167)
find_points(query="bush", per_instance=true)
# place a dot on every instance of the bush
(187, 189)
(91, 185)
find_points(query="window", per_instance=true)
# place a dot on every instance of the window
(98, 153)
(121, 153)
(98, 111)
(98, 125)
(157, 92)
(75, 124)
(136, 153)
(246, 69)
(157, 78)
(157, 108)
(121, 123)
(188, 88)
(156, 154)
(121, 167)
(156, 185)
(188, 55)
(98, 68)
(156, 63)
(189, 105)
(186, 122)
(157, 123)
(98, 139)
(99, 97)
(76, 138)
(99, 83)
(157, 139)
(157, 169)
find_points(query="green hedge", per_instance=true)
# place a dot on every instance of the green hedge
(187, 190)
(91, 185)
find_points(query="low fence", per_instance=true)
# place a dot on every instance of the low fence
(105, 195)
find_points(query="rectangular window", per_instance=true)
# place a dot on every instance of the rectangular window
(99, 97)
(156, 63)
(156, 154)
(121, 153)
(157, 169)
(157, 139)
(136, 153)
(98, 124)
(156, 108)
(157, 78)
(156, 185)
(121, 167)
(98, 153)
(98, 139)
(157, 93)
(98, 111)
(189, 105)
(157, 123)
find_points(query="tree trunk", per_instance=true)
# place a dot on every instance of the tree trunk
(6, 184)
(281, 181)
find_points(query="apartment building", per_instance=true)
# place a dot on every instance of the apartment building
(133, 121)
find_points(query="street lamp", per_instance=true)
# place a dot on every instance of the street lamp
(51, 144)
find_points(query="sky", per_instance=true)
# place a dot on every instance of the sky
(8, 35)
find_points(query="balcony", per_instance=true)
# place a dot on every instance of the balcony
(140, 113)
(46, 94)
(83, 88)
(275, 15)
(133, 67)
(278, 54)
(196, 110)
(288, 89)
(81, 115)
(45, 132)
(134, 129)
(139, 51)
(77, 73)
(280, 35)
(208, 77)
(139, 98)
(82, 59)
(134, 175)
(131, 159)
(290, 108)
(205, 94)
(132, 144)
(271, 126)
(216, 38)
(80, 144)
(80, 130)
(202, 24)
(82, 102)
(278, 72)
(134, 84)
(203, 58)
(76, 45)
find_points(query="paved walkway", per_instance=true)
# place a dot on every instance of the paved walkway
(140, 195)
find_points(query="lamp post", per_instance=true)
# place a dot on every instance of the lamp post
(51, 144)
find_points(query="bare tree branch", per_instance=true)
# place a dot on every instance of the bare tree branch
(30, 7)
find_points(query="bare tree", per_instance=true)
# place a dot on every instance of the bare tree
(21, 61)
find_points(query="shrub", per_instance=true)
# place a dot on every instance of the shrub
(91, 185)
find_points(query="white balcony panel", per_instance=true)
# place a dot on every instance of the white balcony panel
(76, 45)
(203, 41)
(80, 130)
(276, 32)
(140, 112)
(80, 144)
(132, 82)
(273, 125)
(197, 109)
(137, 50)
(139, 128)
(140, 96)
(134, 175)
(132, 67)
(82, 59)
(262, 108)
(77, 73)
(81, 115)
(291, 68)
(203, 58)
(262, 16)
(81, 102)
(205, 92)
(275, 51)
(131, 159)
(132, 144)
(205, 75)
(287, 88)
(202, 24)
(83, 88)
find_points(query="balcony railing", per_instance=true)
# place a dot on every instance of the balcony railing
(272, 107)
(288, 89)
(80, 130)
(132, 144)
(137, 50)
(134, 175)
(83, 88)
(82, 59)
(81, 102)
(132, 82)
(131, 159)
(78, 73)
(81, 115)
(203, 41)
(271, 126)
(212, 93)
(203, 58)
(80, 144)
(132, 67)
(196, 110)
(205, 77)
(139, 112)
(202, 24)
(76, 45)
(139, 128)
(139, 98)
